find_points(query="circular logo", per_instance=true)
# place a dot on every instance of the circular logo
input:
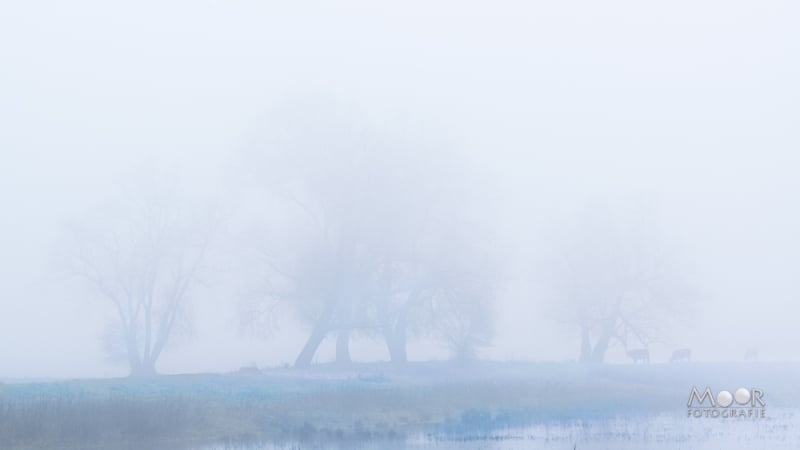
(725, 398)
(742, 396)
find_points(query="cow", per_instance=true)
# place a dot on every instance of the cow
(639, 354)
(681, 354)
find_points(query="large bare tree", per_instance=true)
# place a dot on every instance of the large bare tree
(616, 279)
(141, 252)
(375, 215)
(438, 282)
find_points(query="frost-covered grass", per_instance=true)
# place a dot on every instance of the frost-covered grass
(370, 403)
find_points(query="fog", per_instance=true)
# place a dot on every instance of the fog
(490, 136)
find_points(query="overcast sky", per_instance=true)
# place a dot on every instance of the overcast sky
(689, 106)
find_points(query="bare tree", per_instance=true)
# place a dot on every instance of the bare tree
(617, 281)
(373, 213)
(462, 316)
(441, 287)
(142, 253)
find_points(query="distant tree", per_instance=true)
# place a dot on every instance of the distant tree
(442, 287)
(461, 311)
(371, 212)
(327, 285)
(141, 252)
(616, 280)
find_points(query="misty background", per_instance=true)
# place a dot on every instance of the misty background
(686, 109)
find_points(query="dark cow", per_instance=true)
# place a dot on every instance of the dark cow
(681, 354)
(639, 354)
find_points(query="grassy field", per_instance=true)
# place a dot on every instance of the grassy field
(361, 402)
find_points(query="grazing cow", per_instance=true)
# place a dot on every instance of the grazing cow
(681, 354)
(249, 370)
(751, 354)
(639, 354)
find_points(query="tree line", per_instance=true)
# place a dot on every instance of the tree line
(358, 232)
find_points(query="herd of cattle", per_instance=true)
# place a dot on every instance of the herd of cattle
(681, 354)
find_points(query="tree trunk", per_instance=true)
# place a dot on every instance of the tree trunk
(144, 369)
(586, 345)
(310, 348)
(396, 344)
(343, 347)
(395, 335)
(135, 364)
(318, 334)
(599, 352)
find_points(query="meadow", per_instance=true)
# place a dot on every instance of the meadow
(365, 404)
